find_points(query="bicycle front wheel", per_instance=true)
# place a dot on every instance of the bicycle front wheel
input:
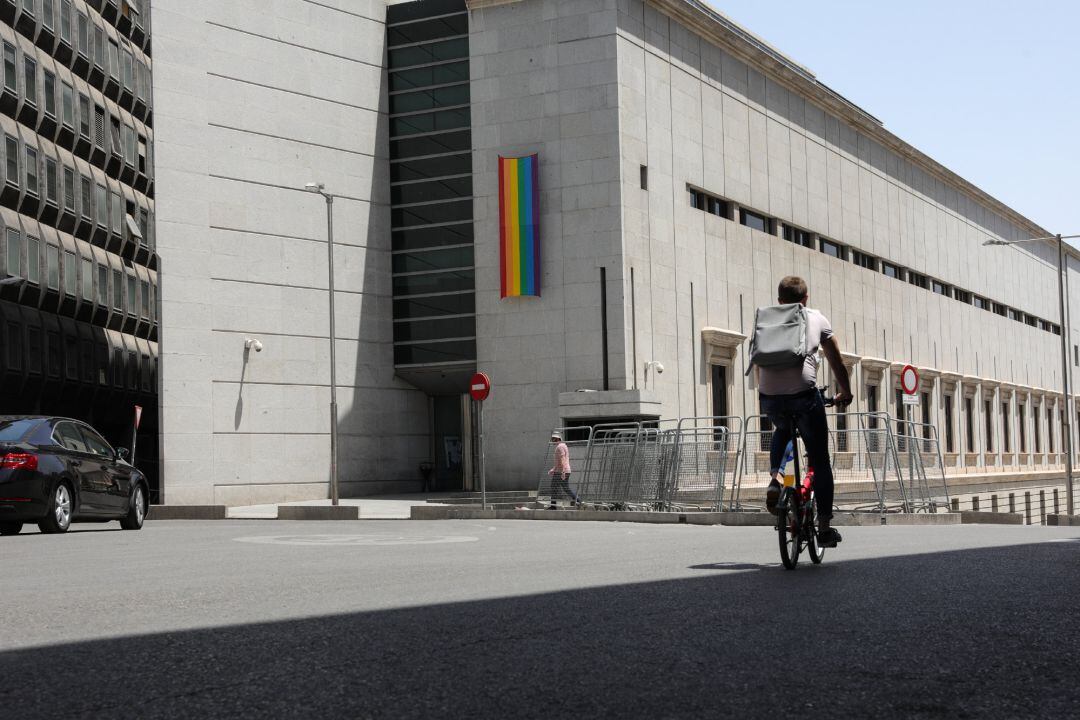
(817, 553)
(787, 528)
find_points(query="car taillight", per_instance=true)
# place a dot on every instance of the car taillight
(18, 461)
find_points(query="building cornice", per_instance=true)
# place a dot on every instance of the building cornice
(715, 27)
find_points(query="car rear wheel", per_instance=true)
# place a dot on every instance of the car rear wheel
(10, 528)
(58, 519)
(136, 510)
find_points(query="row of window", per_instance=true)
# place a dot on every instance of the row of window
(60, 184)
(80, 277)
(68, 102)
(433, 281)
(758, 221)
(87, 38)
(86, 357)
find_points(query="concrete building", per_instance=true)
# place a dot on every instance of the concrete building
(685, 166)
(78, 334)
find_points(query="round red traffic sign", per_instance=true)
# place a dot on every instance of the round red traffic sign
(909, 380)
(480, 386)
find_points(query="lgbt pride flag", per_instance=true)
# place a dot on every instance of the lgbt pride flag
(519, 226)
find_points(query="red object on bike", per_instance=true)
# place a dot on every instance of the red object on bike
(807, 484)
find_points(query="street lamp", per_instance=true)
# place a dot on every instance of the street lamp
(1064, 353)
(320, 188)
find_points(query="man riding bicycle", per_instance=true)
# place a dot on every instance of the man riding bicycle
(791, 392)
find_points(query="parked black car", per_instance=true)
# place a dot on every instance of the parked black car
(54, 470)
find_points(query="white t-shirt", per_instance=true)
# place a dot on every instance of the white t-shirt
(794, 380)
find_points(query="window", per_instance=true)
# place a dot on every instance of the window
(11, 81)
(863, 260)
(832, 249)
(918, 280)
(71, 270)
(68, 435)
(30, 80)
(116, 212)
(129, 145)
(114, 60)
(644, 173)
(84, 116)
(33, 259)
(51, 191)
(940, 288)
(1076, 355)
(52, 266)
(948, 408)
(87, 279)
(67, 105)
(101, 214)
(717, 207)
(131, 295)
(28, 6)
(31, 171)
(144, 223)
(69, 189)
(1038, 435)
(14, 253)
(11, 149)
(697, 199)
(65, 21)
(50, 93)
(988, 417)
(753, 220)
(1023, 428)
(96, 444)
(962, 295)
(981, 303)
(125, 69)
(969, 413)
(145, 305)
(103, 286)
(1031, 320)
(999, 309)
(83, 24)
(1050, 430)
(48, 13)
(142, 155)
(890, 270)
(1014, 315)
(799, 237)
(1006, 441)
(117, 146)
(99, 47)
(86, 200)
(118, 289)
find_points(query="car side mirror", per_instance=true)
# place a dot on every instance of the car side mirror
(122, 453)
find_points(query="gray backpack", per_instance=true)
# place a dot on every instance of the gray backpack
(779, 339)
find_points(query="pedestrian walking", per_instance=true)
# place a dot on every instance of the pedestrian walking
(560, 472)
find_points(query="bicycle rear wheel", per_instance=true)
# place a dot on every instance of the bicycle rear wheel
(817, 553)
(787, 528)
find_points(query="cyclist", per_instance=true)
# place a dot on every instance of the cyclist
(791, 392)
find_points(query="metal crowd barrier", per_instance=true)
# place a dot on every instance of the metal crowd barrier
(722, 463)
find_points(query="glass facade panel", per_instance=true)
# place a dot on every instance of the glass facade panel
(87, 279)
(33, 259)
(71, 275)
(461, 327)
(428, 191)
(458, 304)
(449, 96)
(405, 285)
(446, 212)
(431, 167)
(417, 238)
(431, 75)
(444, 143)
(435, 353)
(430, 53)
(433, 260)
(14, 252)
(429, 122)
(425, 30)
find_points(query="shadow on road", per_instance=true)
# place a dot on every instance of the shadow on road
(977, 633)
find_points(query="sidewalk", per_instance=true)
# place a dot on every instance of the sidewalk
(380, 507)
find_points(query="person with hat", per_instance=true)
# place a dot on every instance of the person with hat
(560, 471)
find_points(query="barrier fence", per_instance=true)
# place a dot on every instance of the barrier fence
(722, 463)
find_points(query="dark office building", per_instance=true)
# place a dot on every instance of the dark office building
(79, 331)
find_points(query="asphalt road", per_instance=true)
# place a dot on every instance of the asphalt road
(518, 619)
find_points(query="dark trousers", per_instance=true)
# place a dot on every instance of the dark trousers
(808, 411)
(560, 487)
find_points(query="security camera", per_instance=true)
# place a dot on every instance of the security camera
(253, 344)
(659, 368)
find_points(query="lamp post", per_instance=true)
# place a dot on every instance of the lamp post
(320, 188)
(1066, 429)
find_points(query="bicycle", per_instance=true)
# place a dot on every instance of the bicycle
(796, 510)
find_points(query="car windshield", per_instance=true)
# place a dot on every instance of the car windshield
(15, 429)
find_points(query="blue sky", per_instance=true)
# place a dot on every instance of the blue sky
(990, 89)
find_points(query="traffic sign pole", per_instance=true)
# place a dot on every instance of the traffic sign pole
(479, 389)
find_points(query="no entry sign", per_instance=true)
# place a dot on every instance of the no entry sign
(480, 386)
(909, 380)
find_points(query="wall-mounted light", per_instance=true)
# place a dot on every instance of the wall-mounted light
(253, 344)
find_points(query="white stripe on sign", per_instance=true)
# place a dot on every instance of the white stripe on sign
(477, 387)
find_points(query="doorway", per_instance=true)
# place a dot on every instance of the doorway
(449, 441)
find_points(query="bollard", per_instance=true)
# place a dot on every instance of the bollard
(1012, 502)
(993, 503)
(956, 504)
(1042, 507)
(1027, 507)
(975, 503)
(1055, 501)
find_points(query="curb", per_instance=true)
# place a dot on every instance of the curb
(186, 512)
(922, 519)
(318, 512)
(969, 517)
(738, 519)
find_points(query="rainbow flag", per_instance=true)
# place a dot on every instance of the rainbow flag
(519, 226)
